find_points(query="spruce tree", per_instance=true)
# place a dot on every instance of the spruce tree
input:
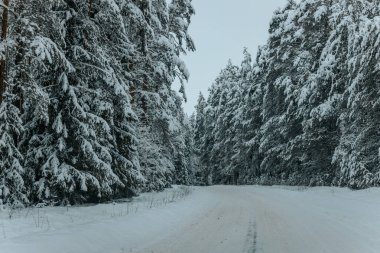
(13, 190)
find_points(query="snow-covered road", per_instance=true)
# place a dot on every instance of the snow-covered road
(275, 220)
(223, 219)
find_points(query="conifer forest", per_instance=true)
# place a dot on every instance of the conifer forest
(100, 154)
(88, 112)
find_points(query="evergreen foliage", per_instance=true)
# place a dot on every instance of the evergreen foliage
(306, 111)
(88, 113)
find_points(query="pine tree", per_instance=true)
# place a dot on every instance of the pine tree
(280, 123)
(160, 33)
(217, 141)
(12, 187)
(199, 136)
(251, 120)
(357, 156)
(89, 93)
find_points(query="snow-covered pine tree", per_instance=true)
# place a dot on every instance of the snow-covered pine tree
(217, 142)
(319, 100)
(160, 35)
(75, 154)
(280, 122)
(185, 162)
(180, 13)
(237, 163)
(251, 117)
(117, 50)
(13, 192)
(357, 156)
(230, 125)
(37, 61)
(199, 136)
(190, 153)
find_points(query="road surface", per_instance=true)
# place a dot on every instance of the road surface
(274, 220)
(228, 219)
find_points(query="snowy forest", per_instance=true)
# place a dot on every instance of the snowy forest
(87, 109)
(89, 112)
(307, 110)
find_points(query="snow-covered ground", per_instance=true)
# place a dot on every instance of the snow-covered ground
(219, 219)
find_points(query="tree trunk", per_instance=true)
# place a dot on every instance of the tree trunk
(20, 61)
(4, 34)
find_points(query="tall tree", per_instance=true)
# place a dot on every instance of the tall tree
(12, 186)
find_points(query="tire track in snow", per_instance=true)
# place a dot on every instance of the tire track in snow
(251, 241)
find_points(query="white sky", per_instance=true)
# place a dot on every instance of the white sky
(221, 29)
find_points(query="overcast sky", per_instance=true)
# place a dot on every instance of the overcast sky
(221, 29)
